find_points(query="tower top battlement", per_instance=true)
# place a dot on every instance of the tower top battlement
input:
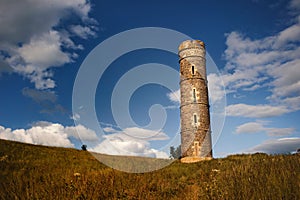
(190, 49)
(191, 44)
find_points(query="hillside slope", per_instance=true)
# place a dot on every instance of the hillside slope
(36, 172)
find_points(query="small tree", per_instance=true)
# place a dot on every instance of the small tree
(175, 153)
(172, 152)
(84, 147)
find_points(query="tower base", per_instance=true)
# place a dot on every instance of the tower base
(193, 159)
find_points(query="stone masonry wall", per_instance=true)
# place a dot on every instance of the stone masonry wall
(194, 109)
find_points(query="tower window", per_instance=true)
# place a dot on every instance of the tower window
(194, 95)
(195, 119)
(193, 69)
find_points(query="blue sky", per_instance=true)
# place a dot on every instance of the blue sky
(254, 45)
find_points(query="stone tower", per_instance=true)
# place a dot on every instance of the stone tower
(194, 109)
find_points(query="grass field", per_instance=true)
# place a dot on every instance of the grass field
(37, 172)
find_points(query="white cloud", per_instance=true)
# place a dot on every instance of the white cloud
(47, 44)
(252, 88)
(75, 117)
(277, 146)
(81, 132)
(33, 39)
(216, 88)
(131, 141)
(49, 134)
(21, 20)
(260, 126)
(269, 63)
(279, 131)
(255, 111)
(4, 66)
(290, 34)
(174, 96)
(251, 127)
(293, 102)
(82, 31)
(287, 82)
(109, 130)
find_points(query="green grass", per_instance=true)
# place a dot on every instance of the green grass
(36, 172)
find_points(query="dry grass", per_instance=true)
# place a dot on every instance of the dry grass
(35, 172)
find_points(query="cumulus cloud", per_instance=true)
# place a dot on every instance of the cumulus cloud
(286, 79)
(132, 141)
(109, 130)
(255, 111)
(270, 63)
(32, 40)
(46, 44)
(279, 131)
(216, 90)
(49, 134)
(256, 127)
(174, 96)
(4, 66)
(75, 117)
(81, 132)
(82, 31)
(277, 146)
(251, 127)
(293, 102)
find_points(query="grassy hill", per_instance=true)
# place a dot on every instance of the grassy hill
(36, 172)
